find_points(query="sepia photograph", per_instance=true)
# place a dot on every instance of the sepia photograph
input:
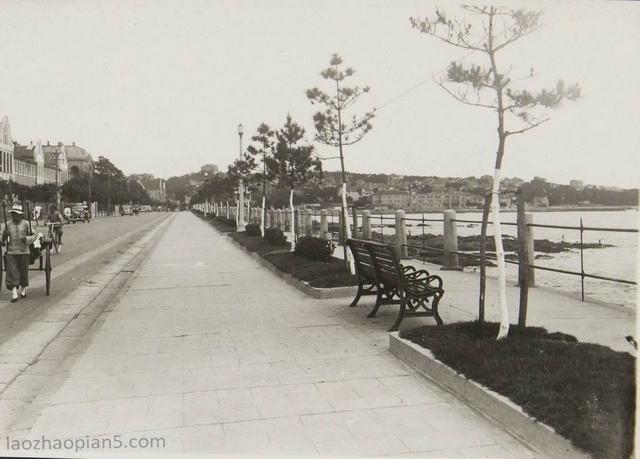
(302, 228)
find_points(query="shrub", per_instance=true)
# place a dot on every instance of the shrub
(315, 248)
(253, 229)
(226, 221)
(275, 236)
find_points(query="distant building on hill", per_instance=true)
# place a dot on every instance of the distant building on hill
(211, 168)
(540, 201)
(439, 200)
(156, 189)
(391, 199)
(577, 184)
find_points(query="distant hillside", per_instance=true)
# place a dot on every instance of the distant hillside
(558, 195)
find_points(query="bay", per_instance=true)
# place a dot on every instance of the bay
(619, 261)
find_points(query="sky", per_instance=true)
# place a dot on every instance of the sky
(160, 87)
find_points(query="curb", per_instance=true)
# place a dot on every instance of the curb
(510, 416)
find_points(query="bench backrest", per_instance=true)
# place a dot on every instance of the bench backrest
(373, 256)
(362, 258)
(386, 264)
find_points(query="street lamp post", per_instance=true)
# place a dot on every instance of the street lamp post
(58, 153)
(241, 223)
(90, 177)
(109, 194)
(206, 193)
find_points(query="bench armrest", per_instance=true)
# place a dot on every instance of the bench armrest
(416, 274)
(423, 282)
(407, 269)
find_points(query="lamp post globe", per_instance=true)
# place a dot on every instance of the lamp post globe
(241, 223)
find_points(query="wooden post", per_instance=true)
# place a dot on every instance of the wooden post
(366, 224)
(450, 242)
(354, 210)
(483, 246)
(401, 235)
(523, 260)
(528, 219)
(308, 223)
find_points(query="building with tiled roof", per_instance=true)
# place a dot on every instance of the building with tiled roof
(6, 149)
(55, 159)
(29, 164)
(36, 163)
(156, 189)
(391, 199)
(78, 158)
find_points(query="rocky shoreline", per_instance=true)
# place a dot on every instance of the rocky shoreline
(430, 247)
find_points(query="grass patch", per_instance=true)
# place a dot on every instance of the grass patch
(584, 391)
(319, 274)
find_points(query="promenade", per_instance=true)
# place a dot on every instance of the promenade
(214, 354)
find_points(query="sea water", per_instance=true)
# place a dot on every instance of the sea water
(619, 261)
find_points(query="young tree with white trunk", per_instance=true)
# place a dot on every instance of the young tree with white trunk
(488, 30)
(332, 127)
(293, 163)
(265, 138)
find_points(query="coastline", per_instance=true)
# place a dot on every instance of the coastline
(461, 210)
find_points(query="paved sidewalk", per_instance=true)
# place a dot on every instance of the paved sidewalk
(215, 354)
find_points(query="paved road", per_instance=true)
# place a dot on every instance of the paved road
(87, 248)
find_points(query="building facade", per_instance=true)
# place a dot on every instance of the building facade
(391, 199)
(37, 164)
(439, 200)
(6, 150)
(156, 189)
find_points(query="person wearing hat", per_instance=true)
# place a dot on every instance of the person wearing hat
(17, 233)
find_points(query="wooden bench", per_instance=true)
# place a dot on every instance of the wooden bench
(380, 273)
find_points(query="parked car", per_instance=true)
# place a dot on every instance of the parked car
(80, 214)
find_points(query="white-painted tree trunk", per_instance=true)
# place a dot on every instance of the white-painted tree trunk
(293, 222)
(347, 229)
(502, 271)
(262, 212)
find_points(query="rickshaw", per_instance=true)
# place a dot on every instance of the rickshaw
(41, 254)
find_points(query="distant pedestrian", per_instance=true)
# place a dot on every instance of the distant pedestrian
(37, 212)
(17, 235)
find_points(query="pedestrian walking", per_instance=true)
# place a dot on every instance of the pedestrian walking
(17, 235)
